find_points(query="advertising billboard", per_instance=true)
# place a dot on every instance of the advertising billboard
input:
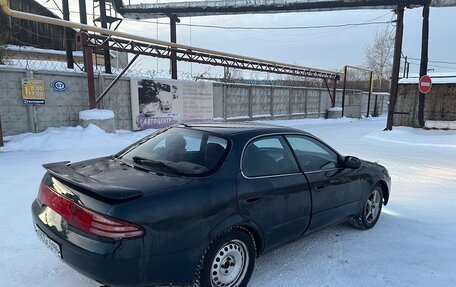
(160, 103)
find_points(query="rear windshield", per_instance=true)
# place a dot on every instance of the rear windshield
(181, 151)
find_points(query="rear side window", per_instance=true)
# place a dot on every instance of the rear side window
(180, 150)
(312, 155)
(268, 156)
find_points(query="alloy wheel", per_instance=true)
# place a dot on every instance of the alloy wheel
(373, 206)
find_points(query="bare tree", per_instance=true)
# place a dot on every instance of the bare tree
(230, 75)
(379, 55)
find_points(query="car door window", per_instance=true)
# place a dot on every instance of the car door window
(268, 156)
(312, 155)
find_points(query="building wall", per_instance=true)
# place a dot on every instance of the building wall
(231, 101)
(440, 104)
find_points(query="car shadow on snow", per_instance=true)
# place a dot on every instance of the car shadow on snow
(318, 259)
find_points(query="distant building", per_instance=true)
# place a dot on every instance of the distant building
(440, 103)
(20, 32)
(23, 39)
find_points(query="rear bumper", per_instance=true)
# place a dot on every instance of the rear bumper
(114, 263)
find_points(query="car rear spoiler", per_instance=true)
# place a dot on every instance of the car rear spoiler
(104, 190)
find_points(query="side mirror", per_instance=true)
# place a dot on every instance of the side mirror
(352, 162)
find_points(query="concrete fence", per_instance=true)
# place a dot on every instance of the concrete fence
(231, 101)
(249, 102)
(61, 108)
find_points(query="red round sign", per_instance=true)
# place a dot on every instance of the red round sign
(425, 84)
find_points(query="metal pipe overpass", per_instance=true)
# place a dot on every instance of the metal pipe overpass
(92, 37)
(227, 7)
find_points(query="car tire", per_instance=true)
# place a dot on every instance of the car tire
(371, 211)
(228, 261)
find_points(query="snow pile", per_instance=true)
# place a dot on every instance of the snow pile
(96, 114)
(27, 49)
(70, 138)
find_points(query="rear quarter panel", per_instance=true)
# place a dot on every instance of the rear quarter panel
(179, 225)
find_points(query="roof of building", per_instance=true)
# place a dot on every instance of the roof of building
(437, 78)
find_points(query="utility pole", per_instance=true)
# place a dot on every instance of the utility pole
(424, 60)
(396, 66)
(67, 31)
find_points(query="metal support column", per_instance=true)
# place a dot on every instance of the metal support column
(405, 66)
(104, 24)
(343, 91)
(68, 46)
(81, 39)
(371, 87)
(376, 106)
(396, 66)
(82, 11)
(335, 92)
(332, 97)
(424, 60)
(172, 21)
(83, 20)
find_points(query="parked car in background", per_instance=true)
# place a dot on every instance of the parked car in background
(197, 204)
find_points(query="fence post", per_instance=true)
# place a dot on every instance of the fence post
(306, 94)
(31, 109)
(290, 98)
(319, 103)
(271, 108)
(250, 103)
(225, 105)
(1, 132)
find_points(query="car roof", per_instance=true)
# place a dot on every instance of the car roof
(235, 128)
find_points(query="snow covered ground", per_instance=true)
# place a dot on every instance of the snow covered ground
(413, 244)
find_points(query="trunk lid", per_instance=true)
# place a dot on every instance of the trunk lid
(110, 180)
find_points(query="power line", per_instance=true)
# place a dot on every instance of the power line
(438, 62)
(284, 28)
(436, 66)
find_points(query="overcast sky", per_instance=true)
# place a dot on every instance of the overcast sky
(328, 48)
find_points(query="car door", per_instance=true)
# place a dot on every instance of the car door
(272, 192)
(335, 190)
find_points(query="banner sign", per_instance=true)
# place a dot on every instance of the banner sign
(160, 103)
(32, 91)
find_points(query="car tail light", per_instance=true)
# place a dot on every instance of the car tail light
(86, 220)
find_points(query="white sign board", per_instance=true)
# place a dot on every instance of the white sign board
(159, 103)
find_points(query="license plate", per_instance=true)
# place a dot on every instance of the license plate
(51, 244)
